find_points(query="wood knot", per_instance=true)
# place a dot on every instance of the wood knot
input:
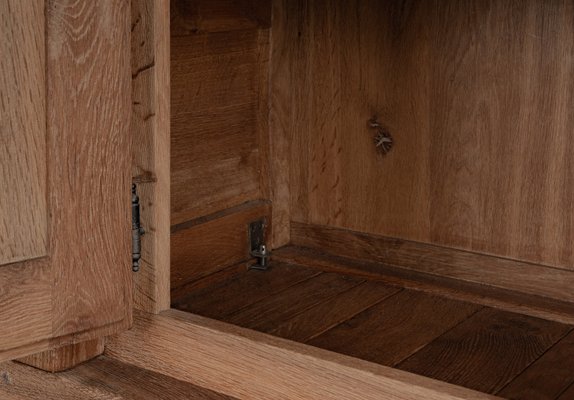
(383, 139)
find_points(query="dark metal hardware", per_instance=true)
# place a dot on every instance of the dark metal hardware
(137, 230)
(258, 249)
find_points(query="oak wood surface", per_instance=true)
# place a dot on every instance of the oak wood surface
(99, 379)
(206, 245)
(527, 278)
(219, 99)
(66, 357)
(89, 144)
(327, 314)
(536, 306)
(199, 16)
(547, 377)
(150, 126)
(486, 351)
(239, 290)
(476, 95)
(214, 355)
(83, 289)
(23, 165)
(395, 328)
(267, 314)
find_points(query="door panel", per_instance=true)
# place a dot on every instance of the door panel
(23, 209)
(82, 289)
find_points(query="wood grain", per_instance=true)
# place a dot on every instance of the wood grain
(90, 178)
(486, 351)
(326, 315)
(200, 16)
(535, 306)
(468, 169)
(25, 305)
(502, 273)
(219, 121)
(83, 289)
(547, 377)
(23, 168)
(100, 379)
(220, 299)
(206, 245)
(66, 357)
(395, 328)
(264, 316)
(150, 125)
(213, 354)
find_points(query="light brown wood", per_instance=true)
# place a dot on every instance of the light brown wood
(219, 139)
(206, 245)
(99, 379)
(150, 125)
(215, 355)
(545, 308)
(23, 207)
(477, 96)
(83, 289)
(66, 357)
(498, 272)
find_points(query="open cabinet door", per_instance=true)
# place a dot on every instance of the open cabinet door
(65, 256)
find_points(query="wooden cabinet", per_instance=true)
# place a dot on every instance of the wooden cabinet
(65, 99)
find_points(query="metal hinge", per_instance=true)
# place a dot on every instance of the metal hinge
(137, 230)
(258, 248)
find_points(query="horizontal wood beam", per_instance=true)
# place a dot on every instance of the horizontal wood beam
(502, 273)
(247, 364)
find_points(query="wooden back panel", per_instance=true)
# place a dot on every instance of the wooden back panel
(477, 96)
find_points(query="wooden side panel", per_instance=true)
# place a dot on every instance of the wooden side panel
(150, 127)
(66, 357)
(219, 119)
(23, 207)
(90, 163)
(213, 354)
(477, 96)
(207, 245)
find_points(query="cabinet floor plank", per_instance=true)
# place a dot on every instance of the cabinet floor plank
(326, 315)
(268, 314)
(234, 293)
(486, 351)
(547, 377)
(394, 329)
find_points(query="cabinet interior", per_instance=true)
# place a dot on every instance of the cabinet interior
(448, 254)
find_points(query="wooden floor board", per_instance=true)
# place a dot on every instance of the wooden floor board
(266, 315)
(237, 292)
(486, 351)
(395, 328)
(98, 379)
(568, 394)
(547, 377)
(326, 315)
